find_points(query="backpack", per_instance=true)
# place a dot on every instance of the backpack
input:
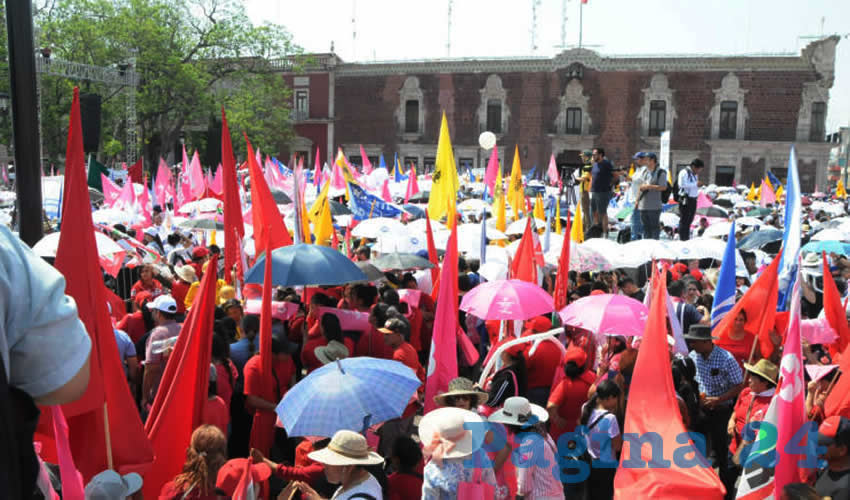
(18, 419)
(665, 195)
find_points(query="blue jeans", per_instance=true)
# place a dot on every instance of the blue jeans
(651, 224)
(637, 226)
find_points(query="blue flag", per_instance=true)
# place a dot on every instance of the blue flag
(469, 172)
(724, 294)
(483, 249)
(364, 205)
(773, 180)
(531, 174)
(381, 162)
(791, 236)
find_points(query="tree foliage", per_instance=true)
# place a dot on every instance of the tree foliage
(192, 56)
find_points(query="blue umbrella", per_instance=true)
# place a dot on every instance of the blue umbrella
(305, 264)
(352, 393)
(830, 246)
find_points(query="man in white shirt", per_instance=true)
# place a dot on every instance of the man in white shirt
(640, 165)
(688, 193)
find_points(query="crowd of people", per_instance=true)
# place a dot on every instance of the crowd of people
(546, 393)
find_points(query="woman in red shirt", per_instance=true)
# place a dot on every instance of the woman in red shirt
(408, 466)
(206, 454)
(753, 401)
(147, 283)
(740, 341)
(262, 395)
(570, 394)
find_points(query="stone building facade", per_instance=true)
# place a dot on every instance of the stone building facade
(740, 114)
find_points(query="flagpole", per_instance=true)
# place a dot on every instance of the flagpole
(108, 436)
(580, 21)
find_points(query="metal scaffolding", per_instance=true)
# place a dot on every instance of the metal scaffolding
(124, 76)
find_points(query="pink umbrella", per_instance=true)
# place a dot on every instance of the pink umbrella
(507, 299)
(607, 314)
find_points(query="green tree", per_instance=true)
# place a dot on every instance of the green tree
(192, 56)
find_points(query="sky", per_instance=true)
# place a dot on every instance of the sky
(407, 29)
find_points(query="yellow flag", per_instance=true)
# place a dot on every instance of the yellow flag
(324, 226)
(751, 195)
(839, 190)
(444, 182)
(767, 181)
(538, 208)
(499, 201)
(557, 216)
(451, 215)
(305, 222)
(780, 191)
(632, 170)
(316, 207)
(577, 230)
(516, 192)
(212, 237)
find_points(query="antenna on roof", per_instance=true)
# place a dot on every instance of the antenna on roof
(449, 30)
(563, 23)
(353, 29)
(534, 5)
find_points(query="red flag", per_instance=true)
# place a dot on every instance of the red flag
(838, 400)
(268, 223)
(760, 305)
(135, 172)
(524, 264)
(107, 392)
(834, 310)
(262, 432)
(72, 480)
(334, 240)
(442, 364)
(562, 280)
(653, 408)
(385, 192)
(367, 165)
(232, 205)
(348, 250)
(412, 184)
(179, 402)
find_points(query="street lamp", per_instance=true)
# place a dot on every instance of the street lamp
(5, 101)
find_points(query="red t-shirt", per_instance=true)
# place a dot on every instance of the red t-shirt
(225, 378)
(542, 364)
(134, 325)
(179, 289)
(378, 348)
(402, 485)
(155, 288)
(262, 431)
(216, 413)
(406, 354)
(308, 353)
(569, 396)
(296, 323)
(757, 413)
(171, 492)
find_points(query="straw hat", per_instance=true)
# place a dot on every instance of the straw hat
(187, 274)
(518, 411)
(333, 351)
(764, 369)
(442, 430)
(346, 448)
(462, 386)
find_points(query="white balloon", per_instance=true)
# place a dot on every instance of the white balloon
(487, 140)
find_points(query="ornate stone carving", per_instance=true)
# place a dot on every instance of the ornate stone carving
(410, 91)
(658, 90)
(573, 97)
(730, 90)
(812, 92)
(821, 55)
(493, 90)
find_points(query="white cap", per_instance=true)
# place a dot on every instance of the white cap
(109, 485)
(151, 231)
(164, 303)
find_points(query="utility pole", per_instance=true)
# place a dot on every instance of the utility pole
(580, 22)
(534, 5)
(449, 30)
(25, 119)
(353, 29)
(563, 24)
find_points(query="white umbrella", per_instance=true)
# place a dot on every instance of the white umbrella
(46, 247)
(636, 253)
(717, 230)
(517, 227)
(581, 258)
(372, 228)
(402, 243)
(419, 226)
(669, 219)
(603, 246)
(749, 221)
(473, 205)
(492, 233)
(493, 270)
(835, 234)
(703, 248)
(204, 205)
(113, 216)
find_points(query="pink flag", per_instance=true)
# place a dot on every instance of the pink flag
(162, 183)
(280, 310)
(703, 201)
(127, 199)
(337, 180)
(111, 191)
(790, 407)
(412, 184)
(552, 171)
(217, 183)
(348, 320)
(184, 191)
(442, 364)
(145, 206)
(492, 171)
(385, 191)
(72, 480)
(768, 197)
(196, 178)
(367, 165)
(317, 173)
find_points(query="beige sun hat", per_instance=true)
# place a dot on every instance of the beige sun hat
(462, 386)
(333, 351)
(346, 448)
(445, 432)
(187, 273)
(518, 411)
